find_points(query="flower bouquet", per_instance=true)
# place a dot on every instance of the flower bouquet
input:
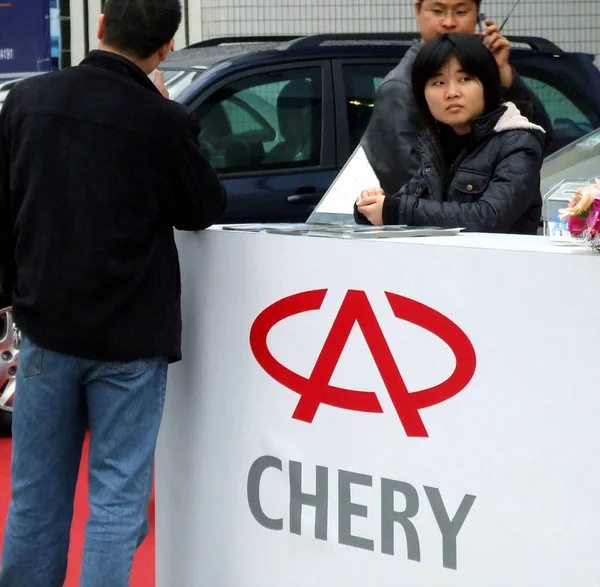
(583, 215)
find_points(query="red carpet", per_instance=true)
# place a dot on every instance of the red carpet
(143, 568)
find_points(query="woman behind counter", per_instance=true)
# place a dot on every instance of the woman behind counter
(480, 158)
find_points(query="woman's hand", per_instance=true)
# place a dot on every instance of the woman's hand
(370, 205)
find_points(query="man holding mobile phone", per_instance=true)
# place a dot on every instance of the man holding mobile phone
(390, 141)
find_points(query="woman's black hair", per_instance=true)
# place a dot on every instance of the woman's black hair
(475, 59)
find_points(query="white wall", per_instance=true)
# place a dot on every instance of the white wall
(572, 24)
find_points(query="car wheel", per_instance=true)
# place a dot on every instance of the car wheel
(9, 354)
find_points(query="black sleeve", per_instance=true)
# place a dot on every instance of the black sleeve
(510, 192)
(529, 105)
(390, 141)
(197, 196)
(415, 187)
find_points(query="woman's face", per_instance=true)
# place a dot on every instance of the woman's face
(454, 97)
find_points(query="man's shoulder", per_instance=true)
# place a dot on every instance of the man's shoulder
(45, 87)
(401, 74)
(92, 89)
(181, 117)
(32, 84)
(50, 79)
(23, 94)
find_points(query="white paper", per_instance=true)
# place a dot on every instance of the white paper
(356, 176)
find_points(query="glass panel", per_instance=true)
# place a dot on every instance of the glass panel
(580, 159)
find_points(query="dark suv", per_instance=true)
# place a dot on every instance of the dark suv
(281, 115)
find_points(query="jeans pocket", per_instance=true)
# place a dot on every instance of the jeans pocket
(30, 358)
(130, 367)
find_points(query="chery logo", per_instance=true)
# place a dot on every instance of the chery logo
(316, 390)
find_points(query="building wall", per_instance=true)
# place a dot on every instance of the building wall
(572, 24)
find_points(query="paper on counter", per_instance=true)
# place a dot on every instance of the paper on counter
(357, 175)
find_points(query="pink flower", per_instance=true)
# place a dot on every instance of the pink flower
(583, 212)
(593, 220)
(576, 225)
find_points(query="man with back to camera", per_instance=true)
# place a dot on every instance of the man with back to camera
(96, 169)
(390, 141)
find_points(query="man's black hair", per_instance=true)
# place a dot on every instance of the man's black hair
(476, 60)
(140, 27)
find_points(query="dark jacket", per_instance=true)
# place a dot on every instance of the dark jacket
(96, 168)
(390, 141)
(493, 186)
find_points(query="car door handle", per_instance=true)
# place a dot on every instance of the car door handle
(307, 195)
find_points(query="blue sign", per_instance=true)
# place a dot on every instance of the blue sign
(24, 36)
(55, 40)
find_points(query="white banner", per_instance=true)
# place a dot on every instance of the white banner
(362, 414)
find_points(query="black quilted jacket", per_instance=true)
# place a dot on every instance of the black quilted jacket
(390, 141)
(493, 186)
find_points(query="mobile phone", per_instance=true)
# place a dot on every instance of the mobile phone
(481, 18)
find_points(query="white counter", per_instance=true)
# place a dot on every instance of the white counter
(502, 242)
(299, 449)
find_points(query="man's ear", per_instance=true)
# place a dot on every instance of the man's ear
(418, 7)
(164, 51)
(101, 27)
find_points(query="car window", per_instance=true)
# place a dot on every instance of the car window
(361, 83)
(267, 121)
(569, 120)
(268, 92)
(177, 81)
(243, 118)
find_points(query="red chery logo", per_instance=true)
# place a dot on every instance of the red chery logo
(315, 390)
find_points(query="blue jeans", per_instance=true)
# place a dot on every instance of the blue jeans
(57, 398)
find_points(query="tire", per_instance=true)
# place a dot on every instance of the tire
(9, 355)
